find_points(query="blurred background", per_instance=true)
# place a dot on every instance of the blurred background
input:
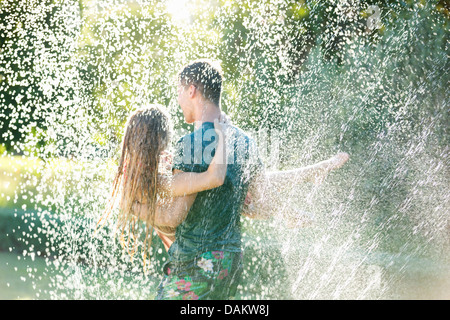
(306, 78)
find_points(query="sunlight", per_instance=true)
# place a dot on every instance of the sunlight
(179, 10)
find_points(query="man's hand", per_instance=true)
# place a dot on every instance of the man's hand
(262, 200)
(327, 166)
(339, 160)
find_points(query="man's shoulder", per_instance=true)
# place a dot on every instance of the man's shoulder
(197, 133)
(241, 133)
(183, 139)
(237, 132)
(245, 141)
(239, 138)
(186, 137)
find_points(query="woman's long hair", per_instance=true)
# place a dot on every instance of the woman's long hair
(147, 133)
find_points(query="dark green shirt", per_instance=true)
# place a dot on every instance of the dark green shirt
(213, 222)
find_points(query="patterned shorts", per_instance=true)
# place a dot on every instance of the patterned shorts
(214, 275)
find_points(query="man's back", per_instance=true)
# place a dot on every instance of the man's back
(213, 222)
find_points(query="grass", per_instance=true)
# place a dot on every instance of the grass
(18, 179)
(15, 281)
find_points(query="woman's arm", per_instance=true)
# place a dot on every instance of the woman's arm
(184, 183)
(169, 214)
(183, 187)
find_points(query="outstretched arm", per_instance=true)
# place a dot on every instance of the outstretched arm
(313, 173)
(265, 187)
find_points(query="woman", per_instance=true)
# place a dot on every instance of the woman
(143, 177)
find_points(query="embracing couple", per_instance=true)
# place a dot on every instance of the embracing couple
(194, 198)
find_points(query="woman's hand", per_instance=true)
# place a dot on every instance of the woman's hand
(224, 118)
(221, 124)
(185, 183)
(166, 162)
(220, 127)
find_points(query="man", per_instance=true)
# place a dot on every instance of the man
(205, 260)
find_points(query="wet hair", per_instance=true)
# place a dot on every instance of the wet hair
(206, 75)
(147, 133)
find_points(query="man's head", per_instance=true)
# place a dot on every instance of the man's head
(199, 81)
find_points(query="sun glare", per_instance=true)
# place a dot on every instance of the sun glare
(179, 9)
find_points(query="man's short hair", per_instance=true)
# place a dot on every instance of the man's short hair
(206, 75)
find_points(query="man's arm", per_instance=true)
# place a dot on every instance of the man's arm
(263, 195)
(256, 205)
(313, 173)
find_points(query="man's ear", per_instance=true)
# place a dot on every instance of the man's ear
(192, 91)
